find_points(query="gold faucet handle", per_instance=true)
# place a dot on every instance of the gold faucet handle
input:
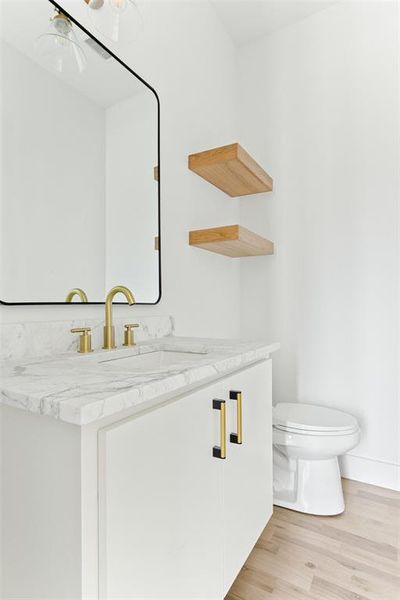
(129, 339)
(85, 339)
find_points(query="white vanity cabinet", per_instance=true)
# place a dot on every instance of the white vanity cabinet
(247, 474)
(176, 522)
(136, 504)
(160, 504)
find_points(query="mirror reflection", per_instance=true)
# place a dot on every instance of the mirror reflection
(79, 165)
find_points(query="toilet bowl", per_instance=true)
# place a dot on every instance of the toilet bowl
(307, 441)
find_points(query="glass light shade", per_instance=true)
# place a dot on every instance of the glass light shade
(59, 48)
(117, 20)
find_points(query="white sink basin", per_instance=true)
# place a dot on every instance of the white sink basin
(150, 361)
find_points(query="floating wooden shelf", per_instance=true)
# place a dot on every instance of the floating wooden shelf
(232, 170)
(232, 240)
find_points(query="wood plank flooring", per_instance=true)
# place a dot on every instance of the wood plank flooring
(354, 556)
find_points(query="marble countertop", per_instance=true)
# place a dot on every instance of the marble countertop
(82, 389)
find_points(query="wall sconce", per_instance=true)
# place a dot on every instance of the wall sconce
(117, 20)
(59, 48)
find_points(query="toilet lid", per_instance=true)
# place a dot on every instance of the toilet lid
(308, 417)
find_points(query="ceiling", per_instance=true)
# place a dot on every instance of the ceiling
(247, 20)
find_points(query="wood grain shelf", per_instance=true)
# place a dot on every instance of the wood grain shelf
(232, 170)
(232, 240)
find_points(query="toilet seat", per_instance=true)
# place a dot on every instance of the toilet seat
(315, 433)
(309, 419)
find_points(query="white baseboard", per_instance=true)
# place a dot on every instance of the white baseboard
(367, 470)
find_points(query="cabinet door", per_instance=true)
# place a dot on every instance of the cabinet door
(247, 472)
(160, 504)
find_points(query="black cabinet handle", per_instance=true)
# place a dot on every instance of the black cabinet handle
(237, 438)
(220, 451)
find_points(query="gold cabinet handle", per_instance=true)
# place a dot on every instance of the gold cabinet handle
(85, 339)
(129, 339)
(237, 438)
(220, 451)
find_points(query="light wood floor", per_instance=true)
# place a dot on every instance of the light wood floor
(354, 556)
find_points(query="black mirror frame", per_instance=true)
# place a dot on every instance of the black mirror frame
(2, 302)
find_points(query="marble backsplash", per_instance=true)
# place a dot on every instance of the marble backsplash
(22, 341)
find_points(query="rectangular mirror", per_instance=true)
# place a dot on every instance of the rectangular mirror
(80, 199)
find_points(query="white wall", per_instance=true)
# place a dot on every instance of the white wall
(132, 196)
(37, 189)
(319, 106)
(186, 55)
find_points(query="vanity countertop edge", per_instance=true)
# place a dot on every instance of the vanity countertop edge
(78, 390)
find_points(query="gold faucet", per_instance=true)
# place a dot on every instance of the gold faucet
(76, 292)
(109, 329)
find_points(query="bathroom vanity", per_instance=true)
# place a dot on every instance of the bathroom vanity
(123, 477)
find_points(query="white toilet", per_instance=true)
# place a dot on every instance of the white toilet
(307, 441)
